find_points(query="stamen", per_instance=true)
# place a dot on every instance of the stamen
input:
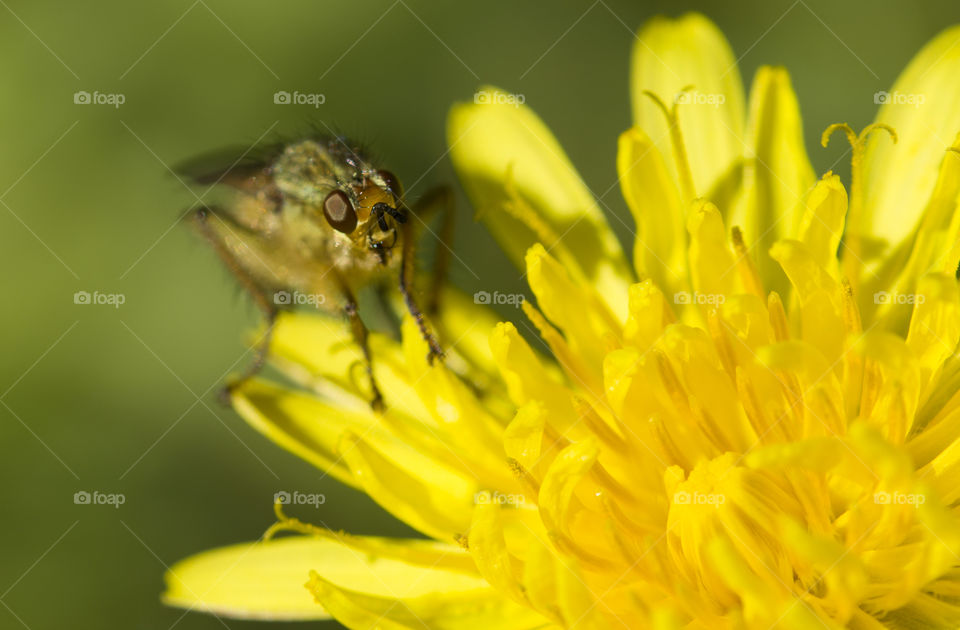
(748, 271)
(762, 425)
(942, 391)
(529, 483)
(676, 140)
(852, 361)
(619, 492)
(778, 317)
(569, 545)
(851, 314)
(718, 332)
(853, 246)
(599, 427)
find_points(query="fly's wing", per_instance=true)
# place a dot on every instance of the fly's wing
(243, 169)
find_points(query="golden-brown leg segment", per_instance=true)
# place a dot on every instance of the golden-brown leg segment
(438, 200)
(360, 337)
(406, 289)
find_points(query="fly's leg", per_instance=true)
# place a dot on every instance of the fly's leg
(438, 200)
(406, 290)
(360, 337)
(201, 218)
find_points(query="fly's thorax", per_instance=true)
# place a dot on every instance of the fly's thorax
(307, 171)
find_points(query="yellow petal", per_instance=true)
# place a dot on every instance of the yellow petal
(318, 352)
(559, 487)
(303, 424)
(713, 268)
(670, 55)
(820, 298)
(427, 495)
(415, 485)
(777, 174)
(579, 607)
(467, 323)
(935, 323)
(489, 551)
(523, 439)
(648, 315)
(571, 306)
(934, 247)
(458, 429)
(822, 223)
(446, 608)
(525, 189)
(528, 379)
(265, 579)
(651, 194)
(921, 107)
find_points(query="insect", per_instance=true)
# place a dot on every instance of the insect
(315, 217)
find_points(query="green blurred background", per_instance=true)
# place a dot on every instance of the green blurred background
(121, 400)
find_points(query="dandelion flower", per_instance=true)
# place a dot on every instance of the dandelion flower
(753, 425)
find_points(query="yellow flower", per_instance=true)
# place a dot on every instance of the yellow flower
(763, 431)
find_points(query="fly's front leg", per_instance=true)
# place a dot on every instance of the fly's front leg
(360, 337)
(438, 200)
(406, 289)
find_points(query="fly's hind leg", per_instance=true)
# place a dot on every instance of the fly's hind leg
(360, 337)
(201, 217)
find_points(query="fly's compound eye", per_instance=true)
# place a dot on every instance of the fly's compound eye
(339, 212)
(392, 183)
